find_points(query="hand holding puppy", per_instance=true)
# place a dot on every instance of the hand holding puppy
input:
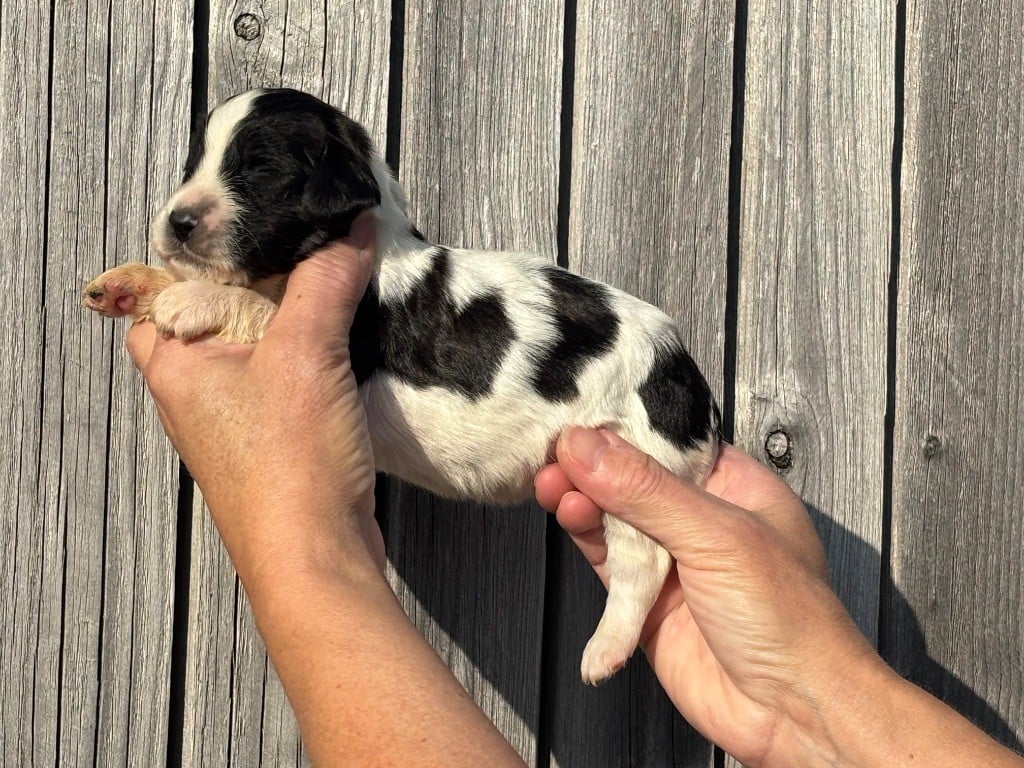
(747, 638)
(276, 426)
(275, 436)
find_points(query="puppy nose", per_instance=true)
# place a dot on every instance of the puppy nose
(183, 222)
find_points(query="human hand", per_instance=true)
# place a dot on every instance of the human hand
(275, 435)
(274, 432)
(747, 638)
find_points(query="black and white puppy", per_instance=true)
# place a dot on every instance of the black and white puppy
(469, 363)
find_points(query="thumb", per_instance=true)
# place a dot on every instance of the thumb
(630, 485)
(324, 291)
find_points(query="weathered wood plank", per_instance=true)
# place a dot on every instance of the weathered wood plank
(99, 588)
(148, 114)
(30, 533)
(479, 158)
(648, 213)
(956, 625)
(75, 364)
(236, 710)
(210, 647)
(815, 224)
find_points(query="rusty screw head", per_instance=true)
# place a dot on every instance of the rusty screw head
(247, 26)
(930, 445)
(779, 449)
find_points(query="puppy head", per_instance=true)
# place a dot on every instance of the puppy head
(275, 174)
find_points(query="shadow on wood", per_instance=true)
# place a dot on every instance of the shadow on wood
(629, 720)
(904, 645)
(471, 586)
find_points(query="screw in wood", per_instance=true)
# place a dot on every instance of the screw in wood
(247, 26)
(779, 449)
(930, 445)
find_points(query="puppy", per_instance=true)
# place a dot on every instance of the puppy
(469, 363)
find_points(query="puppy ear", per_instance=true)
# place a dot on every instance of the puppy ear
(341, 184)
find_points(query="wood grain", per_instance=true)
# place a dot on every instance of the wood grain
(92, 549)
(648, 214)
(148, 115)
(956, 624)
(815, 226)
(95, 133)
(210, 647)
(30, 533)
(75, 380)
(479, 158)
(236, 712)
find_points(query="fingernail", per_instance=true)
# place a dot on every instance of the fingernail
(586, 446)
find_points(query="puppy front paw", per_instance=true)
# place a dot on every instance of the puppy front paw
(187, 310)
(125, 290)
(190, 309)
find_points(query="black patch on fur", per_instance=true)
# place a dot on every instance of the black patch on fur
(196, 149)
(364, 343)
(587, 328)
(678, 400)
(300, 172)
(428, 342)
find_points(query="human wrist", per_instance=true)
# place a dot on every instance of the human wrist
(865, 716)
(842, 711)
(282, 538)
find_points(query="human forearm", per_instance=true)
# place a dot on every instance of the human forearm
(876, 718)
(364, 684)
(275, 435)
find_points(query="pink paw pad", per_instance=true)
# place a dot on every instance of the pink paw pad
(111, 299)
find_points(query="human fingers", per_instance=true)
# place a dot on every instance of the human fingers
(150, 352)
(142, 341)
(139, 342)
(582, 520)
(324, 290)
(576, 514)
(627, 483)
(550, 485)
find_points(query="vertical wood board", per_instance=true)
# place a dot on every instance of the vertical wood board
(815, 229)
(479, 154)
(648, 213)
(74, 369)
(30, 535)
(956, 624)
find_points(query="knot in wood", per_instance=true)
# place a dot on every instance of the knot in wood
(930, 445)
(247, 26)
(779, 448)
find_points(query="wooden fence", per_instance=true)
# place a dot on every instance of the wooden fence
(828, 195)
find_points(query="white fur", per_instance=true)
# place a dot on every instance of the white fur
(492, 447)
(192, 308)
(207, 193)
(488, 448)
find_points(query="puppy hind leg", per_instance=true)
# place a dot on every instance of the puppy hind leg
(637, 567)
